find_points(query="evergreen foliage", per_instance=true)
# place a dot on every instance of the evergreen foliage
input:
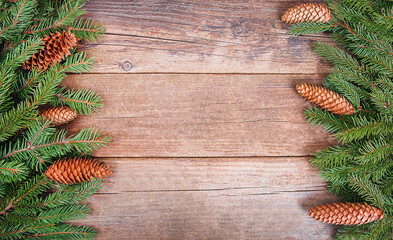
(32, 206)
(360, 167)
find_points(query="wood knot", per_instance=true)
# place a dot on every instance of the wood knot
(239, 29)
(126, 66)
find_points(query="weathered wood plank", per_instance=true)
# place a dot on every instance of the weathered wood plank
(199, 37)
(201, 115)
(245, 198)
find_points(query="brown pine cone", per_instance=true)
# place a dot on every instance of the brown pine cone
(346, 213)
(76, 170)
(307, 12)
(56, 47)
(325, 99)
(59, 115)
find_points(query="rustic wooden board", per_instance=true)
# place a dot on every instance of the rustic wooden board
(202, 115)
(235, 198)
(199, 37)
(203, 93)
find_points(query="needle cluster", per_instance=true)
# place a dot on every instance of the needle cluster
(360, 167)
(31, 204)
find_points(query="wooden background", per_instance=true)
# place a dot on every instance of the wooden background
(209, 138)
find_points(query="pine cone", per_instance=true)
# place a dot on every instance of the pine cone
(59, 115)
(325, 99)
(76, 170)
(346, 213)
(56, 47)
(307, 12)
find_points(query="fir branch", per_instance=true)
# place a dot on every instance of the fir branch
(77, 63)
(336, 55)
(24, 112)
(82, 101)
(42, 143)
(374, 150)
(351, 92)
(65, 16)
(29, 189)
(332, 157)
(18, 231)
(84, 190)
(329, 121)
(27, 208)
(20, 54)
(66, 194)
(352, 233)
(379, 64)
(305, 28)
(367, 190)
(17, 17)
(86, 29)
(381, 100)
(365, 127)
(12, 171)
(64, 231)
(6, 79)
(24, 87)
(51, 215)
(3, 189)
(354, 76)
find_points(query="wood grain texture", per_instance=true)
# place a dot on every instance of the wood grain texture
(201, 115)
(246, 198)
(199, 37)
(209, 138)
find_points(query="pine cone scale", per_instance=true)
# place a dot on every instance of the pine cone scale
(307, 12)
(346, 213)
(59, 115)
(325, 99)
(76, 170)
(56, 47)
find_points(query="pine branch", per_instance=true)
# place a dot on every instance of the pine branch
(374, 150)
(86, 29)
(43, 143)
(332, 157)
(64, 17)
(3, 189)
(17, 17)
(29, 189)
(350, 91)
(329, 121)
(82, 101)
(6, 80)
(53, 215)
(363, 127)
(64, 231)
(336, 56)
(66, 194)
(26, 83)
(24, 112)
(12, 171)
(28, 209)
(20, 54)
(19, 231)
(310, 28)
(77, 63)
(367, 190)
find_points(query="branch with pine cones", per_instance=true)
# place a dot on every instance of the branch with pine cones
(45, 173)
(354, 104)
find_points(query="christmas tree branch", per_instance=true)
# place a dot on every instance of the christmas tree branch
(26, 193)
